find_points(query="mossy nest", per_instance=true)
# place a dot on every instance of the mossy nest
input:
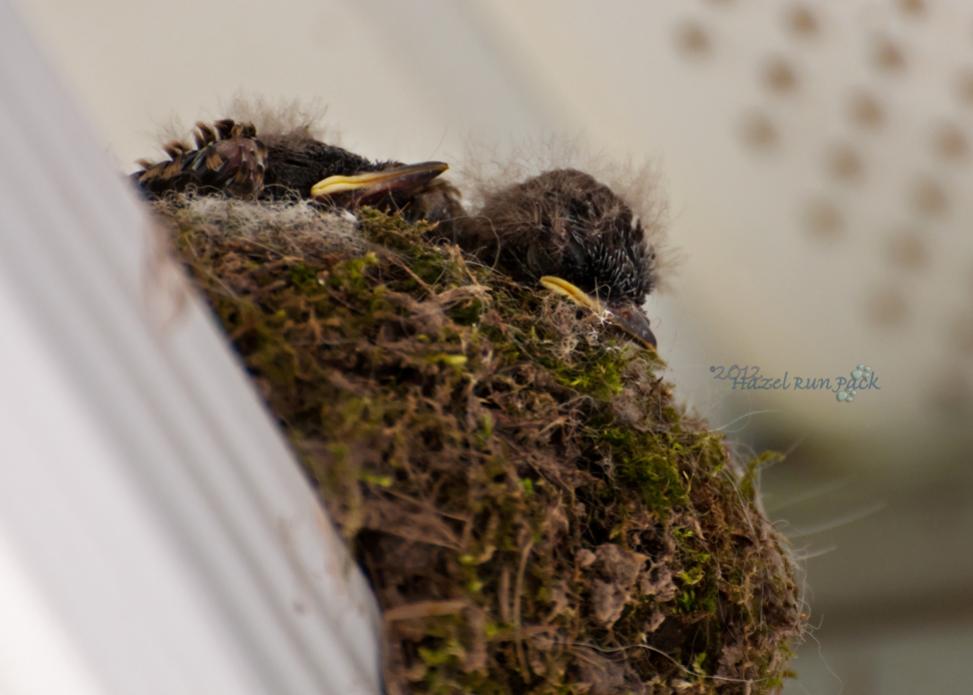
(533, 510)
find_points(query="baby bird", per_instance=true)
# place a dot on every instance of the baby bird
(577, 237)
(231, 158)
(562, 228)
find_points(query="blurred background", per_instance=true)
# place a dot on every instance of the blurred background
(815, 157)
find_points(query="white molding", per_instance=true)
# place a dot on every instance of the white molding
(146, 497)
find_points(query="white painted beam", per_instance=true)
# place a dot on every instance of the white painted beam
(155, 531)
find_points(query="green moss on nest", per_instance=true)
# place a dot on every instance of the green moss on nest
(534, 512)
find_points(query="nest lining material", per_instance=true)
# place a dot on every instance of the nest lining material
(533, 510)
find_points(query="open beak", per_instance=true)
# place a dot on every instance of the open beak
(400, 180)
(627, 316)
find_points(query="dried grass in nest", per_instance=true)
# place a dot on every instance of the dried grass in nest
(534, 512)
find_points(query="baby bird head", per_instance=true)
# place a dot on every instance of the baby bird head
(572, 231)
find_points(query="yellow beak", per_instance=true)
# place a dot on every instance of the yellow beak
(403, 179)
(626, 316)
(573, 292)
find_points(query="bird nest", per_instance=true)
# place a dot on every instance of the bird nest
(534, 511)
